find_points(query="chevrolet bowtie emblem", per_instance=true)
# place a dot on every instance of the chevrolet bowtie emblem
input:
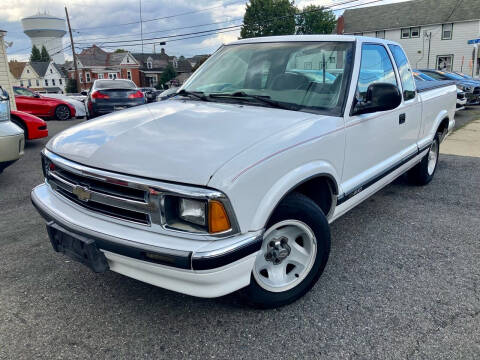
(81, 192)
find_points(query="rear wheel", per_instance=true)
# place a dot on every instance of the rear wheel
(294, 253)
(62, 112)
(424, 171)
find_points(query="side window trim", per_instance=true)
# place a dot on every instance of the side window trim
(402, 87)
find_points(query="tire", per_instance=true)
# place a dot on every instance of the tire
(22, 125)
(423, 172)
(296, 213)
(62, 112)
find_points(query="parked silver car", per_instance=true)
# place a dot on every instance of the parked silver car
(12, 138)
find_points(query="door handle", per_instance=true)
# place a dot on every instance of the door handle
(402, 118)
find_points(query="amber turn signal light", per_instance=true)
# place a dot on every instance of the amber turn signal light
(217, 217)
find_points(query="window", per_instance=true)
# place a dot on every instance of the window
(375, 67)
(28, 71)
(112, 75)
(415, 32)
(405, 33)
(53, 82)
(100, 76)
(128, 59)
(46, 82)
(380, 34)
(332, 60)
(129, 74)
(21, 83)
(23, 92)
(51, 71)
(37, 82)
(445, 62)
(296, 74)
(405, 72)
(447, 30)
(29, 82)
(149, 64)
(87, 77)
(60, 81)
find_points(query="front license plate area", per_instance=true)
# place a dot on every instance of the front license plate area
(78, 248)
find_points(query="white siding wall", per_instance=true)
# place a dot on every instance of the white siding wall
(417, 48)
(54, 75)
(4, 72)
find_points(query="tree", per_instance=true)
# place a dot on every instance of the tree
(315, 20)
(71, 86)
(35, 55)
(120, 51)
(268, 17)
(44, 54)
(199, 63)
(168, 74)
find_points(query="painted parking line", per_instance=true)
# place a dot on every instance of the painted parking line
(464, 142)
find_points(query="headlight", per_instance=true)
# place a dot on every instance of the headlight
(468, 88)
(195, 215)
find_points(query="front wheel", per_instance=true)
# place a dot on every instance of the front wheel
(293, 255)
(62, 112)
(424, 171)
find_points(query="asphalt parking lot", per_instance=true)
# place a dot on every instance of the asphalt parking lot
(402, 282)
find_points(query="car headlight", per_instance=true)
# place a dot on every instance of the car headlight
(468, 88)
(195, 215)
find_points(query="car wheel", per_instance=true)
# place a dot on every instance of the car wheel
(293, 255)
(424, 171)
(62, 112)
(22, 125)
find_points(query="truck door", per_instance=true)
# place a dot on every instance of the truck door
(409, 125)
(372, 139)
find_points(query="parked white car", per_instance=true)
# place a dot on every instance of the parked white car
(232, 183)
(12, 138)
(80, 107)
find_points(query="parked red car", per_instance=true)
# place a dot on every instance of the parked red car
(35, 104)
(33, 127)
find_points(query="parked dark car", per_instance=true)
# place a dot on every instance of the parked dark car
(471, 88)
(150, 93)
(106, 96)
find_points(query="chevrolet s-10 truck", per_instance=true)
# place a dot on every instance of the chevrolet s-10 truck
(232, 183)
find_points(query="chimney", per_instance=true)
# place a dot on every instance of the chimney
(340, 25)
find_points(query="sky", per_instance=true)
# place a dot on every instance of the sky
(97, 22)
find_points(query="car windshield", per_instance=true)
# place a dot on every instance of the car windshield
(304, 76)
(115, 84)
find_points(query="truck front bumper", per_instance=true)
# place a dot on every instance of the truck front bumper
(195, 267)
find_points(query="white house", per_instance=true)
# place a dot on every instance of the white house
(434, 33)
(5, 78)
(43, 77)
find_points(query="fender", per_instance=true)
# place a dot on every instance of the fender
(289, 182)
(430, 133)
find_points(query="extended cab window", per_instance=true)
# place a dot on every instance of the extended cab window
(405, 72)
(375, 67)
(23, 92)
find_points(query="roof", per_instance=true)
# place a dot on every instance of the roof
(159, 61)
(411, 13)
(183, 66)
(40, 67)
(94, 56)
(289, 38)
(60, 69)
(16, 68)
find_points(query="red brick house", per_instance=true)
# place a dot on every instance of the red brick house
(94, 63)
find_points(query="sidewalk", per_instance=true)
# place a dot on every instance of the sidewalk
(464, 142)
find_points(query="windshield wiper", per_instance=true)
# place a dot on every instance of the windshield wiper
(261, 98)
(198, 94)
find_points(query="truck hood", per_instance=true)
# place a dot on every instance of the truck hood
(173, 140)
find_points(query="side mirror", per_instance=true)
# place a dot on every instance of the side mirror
(4, 94)
(379, 97)
(83, 92)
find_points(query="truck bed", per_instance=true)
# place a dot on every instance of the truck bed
(423, 86)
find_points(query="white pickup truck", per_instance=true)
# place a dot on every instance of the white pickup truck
(232, 183)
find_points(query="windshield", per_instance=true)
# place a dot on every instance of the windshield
(115, 84)
(310, 76)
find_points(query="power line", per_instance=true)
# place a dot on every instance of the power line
(165, 17)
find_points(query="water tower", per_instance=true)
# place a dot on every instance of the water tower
(46, 30)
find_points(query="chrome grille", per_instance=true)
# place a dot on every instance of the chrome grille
(107, 196)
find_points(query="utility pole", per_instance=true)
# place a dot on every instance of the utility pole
(77, 79)
(141, 24)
